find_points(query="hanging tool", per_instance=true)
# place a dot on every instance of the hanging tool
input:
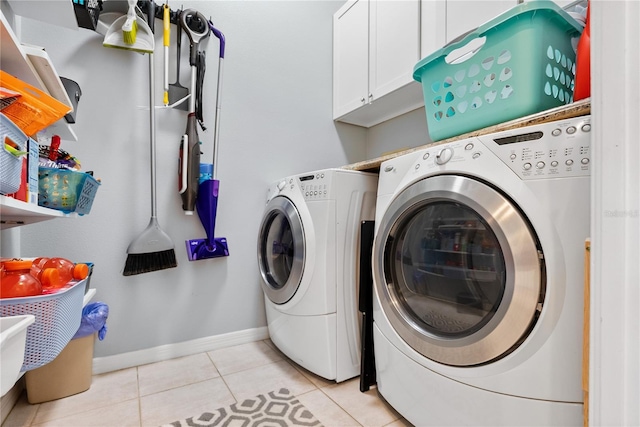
(177, 92)
(153, 249)
(196, 27)
(207, 201)
(130, 26)
(166, 38)
(124, 34)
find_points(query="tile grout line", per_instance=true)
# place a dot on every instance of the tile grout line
(33, 419)
(222, 378)
(297, 368)
(337, 403)
(139, 397)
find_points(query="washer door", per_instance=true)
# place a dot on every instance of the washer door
(281, 250)
(458, 271)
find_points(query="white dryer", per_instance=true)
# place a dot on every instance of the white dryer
(308, 253)
(478, 275)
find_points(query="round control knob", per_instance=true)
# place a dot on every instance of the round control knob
(281, 185)
(417, 166)
(526, 166)
(476, 155)
(556, 132)
(571, 130)
(584, 161)
(540, 165)
(426, 156)
(554, 163)
(586, 127)
(388, 168)
(444, 155)
(513, 156)
(569, 162)
(469, 146)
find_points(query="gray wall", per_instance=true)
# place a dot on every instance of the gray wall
(400, 133)
(276, 120)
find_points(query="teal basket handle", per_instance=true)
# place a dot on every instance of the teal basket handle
(466, 52)
(459, 38)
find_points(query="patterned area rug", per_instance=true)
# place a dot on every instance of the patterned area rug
(275, 409)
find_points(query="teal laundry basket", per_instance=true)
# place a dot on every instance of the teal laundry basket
(519, 63)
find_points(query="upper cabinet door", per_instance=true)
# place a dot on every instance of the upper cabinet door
(433, 26)
(466, 15)
(350, 57)
(394, 44)
(376, 45)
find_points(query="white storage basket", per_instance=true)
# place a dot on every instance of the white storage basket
(58, 317)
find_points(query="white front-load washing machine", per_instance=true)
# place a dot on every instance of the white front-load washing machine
(478, 274)
(308, 253)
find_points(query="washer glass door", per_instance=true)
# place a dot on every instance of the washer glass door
(458, 270)
(281, 250)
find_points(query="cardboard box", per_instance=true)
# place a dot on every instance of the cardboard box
(69, 373)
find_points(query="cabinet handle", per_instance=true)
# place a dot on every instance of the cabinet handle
(362, 100)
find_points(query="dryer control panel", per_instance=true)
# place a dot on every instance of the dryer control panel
(315, 186)
(549, 150)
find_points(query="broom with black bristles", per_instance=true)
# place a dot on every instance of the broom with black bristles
(153, 249)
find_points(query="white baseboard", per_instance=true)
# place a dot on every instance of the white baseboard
(116, 362)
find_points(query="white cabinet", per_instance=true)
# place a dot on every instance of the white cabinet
(394, 44)
(350, 57)
(433, 16)
(375, 47)
(466, 15)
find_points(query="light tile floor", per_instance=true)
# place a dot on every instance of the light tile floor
(163, 392)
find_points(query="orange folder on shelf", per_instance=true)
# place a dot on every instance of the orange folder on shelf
(33, 110)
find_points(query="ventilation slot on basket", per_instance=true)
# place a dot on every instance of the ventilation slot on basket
(561, 73)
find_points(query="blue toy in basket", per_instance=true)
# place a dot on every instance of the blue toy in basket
(519, 63)
(66, 190)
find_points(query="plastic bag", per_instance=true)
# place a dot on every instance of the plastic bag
(94, 318)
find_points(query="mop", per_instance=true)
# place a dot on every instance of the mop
(207, 200)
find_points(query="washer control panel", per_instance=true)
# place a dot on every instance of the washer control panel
(548, 150)
(314, 186)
